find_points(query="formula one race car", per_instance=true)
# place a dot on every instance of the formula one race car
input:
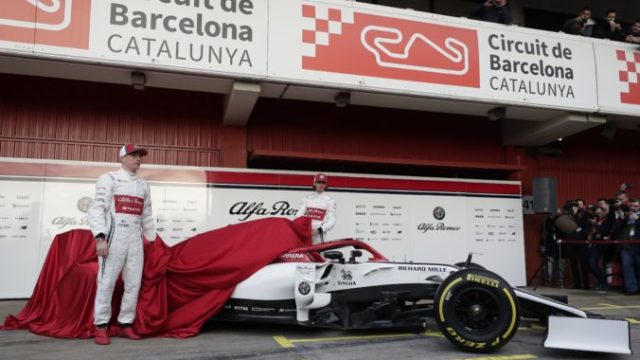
(476, 309)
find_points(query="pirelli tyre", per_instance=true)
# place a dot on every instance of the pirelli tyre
(477, 310)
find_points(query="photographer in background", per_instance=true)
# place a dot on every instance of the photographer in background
(601, 225)
(554, 263)
(630, 253)
(608, 28)
(570, 225)
(581, 25)
(496, 11)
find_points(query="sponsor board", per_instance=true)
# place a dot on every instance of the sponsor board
(420, 220)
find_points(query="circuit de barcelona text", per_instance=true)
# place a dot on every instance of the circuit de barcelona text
(531, 67)
(207, 40)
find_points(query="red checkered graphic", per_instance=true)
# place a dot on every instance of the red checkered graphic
(319, 23)
(629, 76)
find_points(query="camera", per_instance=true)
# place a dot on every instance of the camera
(569, 205)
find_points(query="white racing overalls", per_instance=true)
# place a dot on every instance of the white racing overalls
(321, 209)
(121, 210)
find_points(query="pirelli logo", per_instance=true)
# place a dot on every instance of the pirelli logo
(483, 280)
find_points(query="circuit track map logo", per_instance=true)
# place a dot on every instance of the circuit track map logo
(390, 48)
(63, 23)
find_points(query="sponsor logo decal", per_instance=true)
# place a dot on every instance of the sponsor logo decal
(439, 213)
(347, 278)
(246, 209)
(84, 203)
(386, 47)
(304, 288)
(629, 76)
(424, 227)
(126, 204)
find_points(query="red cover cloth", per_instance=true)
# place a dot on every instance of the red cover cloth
(182, 287)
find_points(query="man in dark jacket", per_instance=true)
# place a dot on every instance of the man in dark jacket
(630, 253)
(608, 28)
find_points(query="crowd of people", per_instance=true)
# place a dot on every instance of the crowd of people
(591, 236)
(606, 27)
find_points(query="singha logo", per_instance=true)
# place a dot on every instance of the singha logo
(346, 274)
(347, 279)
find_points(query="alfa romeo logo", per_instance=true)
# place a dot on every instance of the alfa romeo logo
(439, 213)
(84, 203)
(304, 288)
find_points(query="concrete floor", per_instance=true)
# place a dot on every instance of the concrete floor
(263, 341)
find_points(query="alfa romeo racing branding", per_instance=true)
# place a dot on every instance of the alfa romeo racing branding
(126, 204)
(246, 210)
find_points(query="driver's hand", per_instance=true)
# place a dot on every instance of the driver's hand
(102, 247)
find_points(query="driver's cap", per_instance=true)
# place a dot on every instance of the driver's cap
(320, 177)
(127, 149)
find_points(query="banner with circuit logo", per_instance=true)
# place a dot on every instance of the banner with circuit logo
(408, 219)
(217, 36)
(404, 51)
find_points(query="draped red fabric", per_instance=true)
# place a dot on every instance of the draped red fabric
(182, 287)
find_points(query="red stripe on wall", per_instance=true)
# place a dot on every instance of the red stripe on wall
(344, 182)
(262, 179)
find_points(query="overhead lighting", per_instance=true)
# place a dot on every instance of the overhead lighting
(560, 139)
(342, 99)
(497, 113)
(138, 80)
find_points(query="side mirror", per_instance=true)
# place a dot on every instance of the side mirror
(333, 255)
(355, 254)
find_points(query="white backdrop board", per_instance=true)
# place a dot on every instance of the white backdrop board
(405, 218)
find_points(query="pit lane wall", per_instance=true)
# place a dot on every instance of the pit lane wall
(305, 42)
(406, 218)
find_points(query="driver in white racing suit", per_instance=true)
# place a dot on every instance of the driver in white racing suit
(321, 208)
(119, 214)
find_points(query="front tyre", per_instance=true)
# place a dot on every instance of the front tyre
(477, 310)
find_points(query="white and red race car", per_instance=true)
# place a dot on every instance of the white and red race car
(346, 284)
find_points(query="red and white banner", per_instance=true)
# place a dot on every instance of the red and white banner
(373, 48)
(405, 218)
(618, 78)
(220, 37)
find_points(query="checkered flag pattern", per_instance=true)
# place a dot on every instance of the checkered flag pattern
(319, 23)
(629, 76)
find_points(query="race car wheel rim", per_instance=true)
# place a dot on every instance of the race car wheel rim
(477, 310)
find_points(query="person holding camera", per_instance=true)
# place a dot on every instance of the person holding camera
(608, 28)
(630, 253)
(496, 11)
(570, 225)
(581, 25)
(601, 225)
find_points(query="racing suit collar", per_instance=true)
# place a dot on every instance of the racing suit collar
(132, 175)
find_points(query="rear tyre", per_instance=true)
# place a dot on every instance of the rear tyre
(477, 310)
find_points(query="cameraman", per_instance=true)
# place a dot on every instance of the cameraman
(630, 253)
(496, 11)
(580, 25)
(571, 225)
(554, 264)
(599, 232)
